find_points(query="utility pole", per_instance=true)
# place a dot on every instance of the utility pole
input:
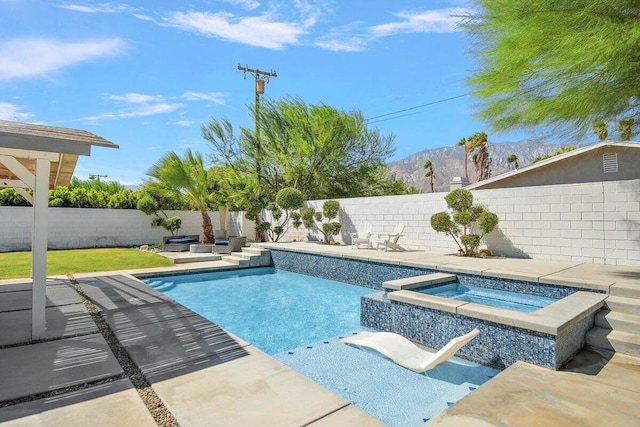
(261, 77)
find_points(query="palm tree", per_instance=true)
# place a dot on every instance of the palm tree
(513, 161)
(187, 175)
(468, 149)
(601, 129)
(429, 174)
(481, 159)
(624, 127)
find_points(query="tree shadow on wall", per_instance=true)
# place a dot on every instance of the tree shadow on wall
(501, 245)
(348, 227)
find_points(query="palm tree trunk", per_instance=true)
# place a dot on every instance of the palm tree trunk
(207, 228)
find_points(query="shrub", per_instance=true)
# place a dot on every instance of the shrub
(150, 206)
(282, 210)
(468, 224)
(322, 221)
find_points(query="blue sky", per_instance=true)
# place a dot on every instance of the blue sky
(147, 74)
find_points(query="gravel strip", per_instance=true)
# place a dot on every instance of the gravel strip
(158, 410)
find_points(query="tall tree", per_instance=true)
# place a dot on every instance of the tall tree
(186, 175)
(317, 149)
(625, 127)
(561, 63)
(481, 160)
(601, 129)
(513, 161)
(429, 173)
(468, 149)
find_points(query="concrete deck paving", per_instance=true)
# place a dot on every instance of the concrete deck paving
(206, 376)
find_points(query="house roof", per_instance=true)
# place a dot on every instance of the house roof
(26, 142)
(551, 160)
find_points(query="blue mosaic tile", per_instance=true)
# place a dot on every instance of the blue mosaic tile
(497, 345)
(357, 272)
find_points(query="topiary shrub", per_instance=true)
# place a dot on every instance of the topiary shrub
(282, 210)
(468, 224)
(322, 221)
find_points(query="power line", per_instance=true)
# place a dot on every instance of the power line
(370, 119)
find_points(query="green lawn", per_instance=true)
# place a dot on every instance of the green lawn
(15, 265)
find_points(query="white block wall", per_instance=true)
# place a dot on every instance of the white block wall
(89, 228)
(592, 222)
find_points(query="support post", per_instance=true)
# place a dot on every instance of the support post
(39, 243)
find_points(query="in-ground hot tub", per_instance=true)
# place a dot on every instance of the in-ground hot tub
(510, 300)
(546, 336)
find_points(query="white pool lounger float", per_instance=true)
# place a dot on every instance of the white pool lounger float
(405, 353)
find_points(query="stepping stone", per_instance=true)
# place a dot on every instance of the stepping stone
(62, 321)
(144, 314)
(119, 292)
(36, 368)
(57, 295)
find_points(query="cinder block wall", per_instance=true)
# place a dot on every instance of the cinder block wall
(89, 228)
(591, 222)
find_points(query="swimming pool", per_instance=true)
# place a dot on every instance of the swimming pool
(494, 297)
(274, 310)
(299, 319)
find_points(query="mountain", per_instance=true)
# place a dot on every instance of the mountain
(448, 162)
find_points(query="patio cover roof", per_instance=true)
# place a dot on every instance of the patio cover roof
(26, 142)
(39, 158)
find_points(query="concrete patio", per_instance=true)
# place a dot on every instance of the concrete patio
(89, 367)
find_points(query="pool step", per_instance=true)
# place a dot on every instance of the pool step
(614, 340)
(419, 281)
(237, 259)
(618, 321)
(623, 305)
(626, 290)
(260, 256)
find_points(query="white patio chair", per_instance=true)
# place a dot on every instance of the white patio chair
(362, 238)
(390, 240)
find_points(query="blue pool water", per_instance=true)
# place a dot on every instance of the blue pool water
(299, 319)
(274, 310)
(493, 297)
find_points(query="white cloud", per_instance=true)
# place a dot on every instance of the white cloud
(96, 8)
(13, 112)
(350, 44)
(260, 31)
(137, 105)
(245, 4)
(136, 98)
(431, 21)
(215, 97)
(184, 122)
(35, 57)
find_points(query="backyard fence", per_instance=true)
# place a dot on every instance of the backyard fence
(590, 222)
(93, 228)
